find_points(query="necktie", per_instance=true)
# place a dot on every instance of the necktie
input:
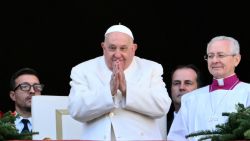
(25, 127)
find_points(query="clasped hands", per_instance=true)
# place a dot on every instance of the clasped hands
(118, 81)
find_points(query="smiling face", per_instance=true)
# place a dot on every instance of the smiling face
(118, 47)
(223, 62)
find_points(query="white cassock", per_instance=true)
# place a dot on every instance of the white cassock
(132, 117)
(198, 113)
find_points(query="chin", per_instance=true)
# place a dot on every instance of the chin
(217, 74)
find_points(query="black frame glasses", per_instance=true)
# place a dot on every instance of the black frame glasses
(26, 87)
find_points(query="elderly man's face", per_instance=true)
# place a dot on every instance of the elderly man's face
(118, 47)
(221, 61)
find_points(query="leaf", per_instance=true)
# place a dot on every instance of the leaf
(237, 127)
(8, 129)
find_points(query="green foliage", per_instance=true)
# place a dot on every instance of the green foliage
(237, 127)
(8, 129)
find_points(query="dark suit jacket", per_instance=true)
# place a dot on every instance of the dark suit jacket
(170, 117)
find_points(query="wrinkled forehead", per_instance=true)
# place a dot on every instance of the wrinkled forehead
(220, 47)
(118, 39)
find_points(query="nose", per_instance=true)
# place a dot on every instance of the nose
(215, 59)
(117, 53)
(182, 86)
(32, 91)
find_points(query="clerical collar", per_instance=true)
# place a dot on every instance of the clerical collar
(226, 84)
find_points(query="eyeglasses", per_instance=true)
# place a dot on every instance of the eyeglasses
(219, 56)
(26, 87)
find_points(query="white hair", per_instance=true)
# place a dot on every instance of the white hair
(235, 47)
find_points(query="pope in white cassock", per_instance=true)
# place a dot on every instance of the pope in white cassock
(118, 95)
(202, 109)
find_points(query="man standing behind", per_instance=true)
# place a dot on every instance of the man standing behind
(202, 109)
(184, 79)
(24, 84)
(118, 95)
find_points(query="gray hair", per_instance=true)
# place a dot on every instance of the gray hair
(235, 46)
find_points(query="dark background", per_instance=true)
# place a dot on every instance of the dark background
(53, 36)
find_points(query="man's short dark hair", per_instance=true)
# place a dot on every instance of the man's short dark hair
(189, 66)
(21, 72)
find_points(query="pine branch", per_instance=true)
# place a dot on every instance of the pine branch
(236, 127)
(8, 129)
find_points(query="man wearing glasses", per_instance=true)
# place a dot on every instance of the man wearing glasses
(24, 84)
(202, 109)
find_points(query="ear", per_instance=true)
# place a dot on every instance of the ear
(102, 45)
(237, 60)
(135, 47)
(12, 95)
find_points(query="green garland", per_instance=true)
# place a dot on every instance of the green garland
(8, 129)
(236, 128)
